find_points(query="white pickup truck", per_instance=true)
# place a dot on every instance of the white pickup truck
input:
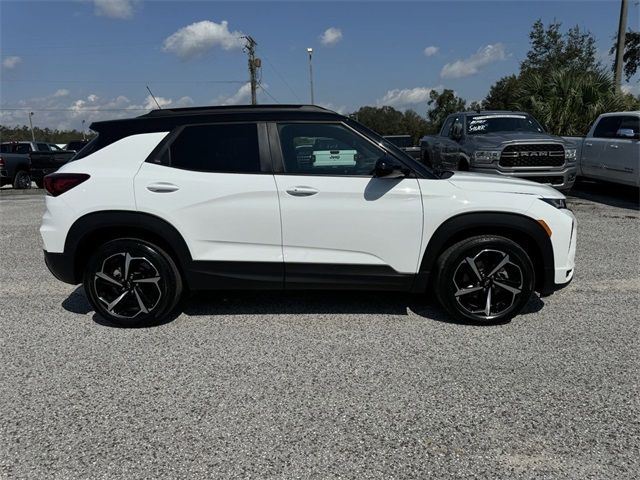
(611, 149)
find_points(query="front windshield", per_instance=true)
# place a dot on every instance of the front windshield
(482, 124)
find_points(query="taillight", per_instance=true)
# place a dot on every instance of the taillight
(57, 183)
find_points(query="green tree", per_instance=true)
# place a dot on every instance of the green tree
(567, 101)
(502, 94)
(441, 105)
(414, 125)
(551, 49)
(23, 133)
(631, 56)
(384, 120)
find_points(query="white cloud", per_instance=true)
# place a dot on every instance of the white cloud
(63, 92)
(406, 96)
(199, 37)
(242, 96)
(65, 112)
(633, 89)
(121, 9)
(472, 65)
(430, 51)
(11, 62)
(331, 36)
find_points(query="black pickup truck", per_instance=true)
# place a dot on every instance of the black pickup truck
(24, 162)
(511, 144)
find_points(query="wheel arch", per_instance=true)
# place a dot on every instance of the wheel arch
(96, 228)
(523, 230)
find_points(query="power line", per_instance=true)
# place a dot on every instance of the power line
(81, 110)
(267, 92)
(282, 78)
(123, 81)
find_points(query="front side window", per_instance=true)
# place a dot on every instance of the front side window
(607, 127)
(43, 147)
(326, 149)
(630, 123)
(217, 148)
(446, 129)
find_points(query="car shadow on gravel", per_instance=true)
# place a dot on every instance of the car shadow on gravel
(615, 195)
(297, 303)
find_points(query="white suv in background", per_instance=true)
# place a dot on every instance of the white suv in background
(231, 198)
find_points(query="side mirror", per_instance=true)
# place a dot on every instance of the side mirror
(456, 131)
(626, 133)
(387, 168)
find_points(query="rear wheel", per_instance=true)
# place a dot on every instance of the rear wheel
(39, 183)
(426, 159)
(22, 180)
(132, 283)
(484, 279)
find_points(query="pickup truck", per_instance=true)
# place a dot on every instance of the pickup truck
(611, 149)
(406, 144)
(23, 162)
(511, 144)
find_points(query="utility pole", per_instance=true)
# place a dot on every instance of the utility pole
(622, 31)
(254, 64)
(33, 136)
(84, 137)
(310, 52)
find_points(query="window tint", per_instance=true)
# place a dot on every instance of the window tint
(217, 148)
(326, 149)
(607, 127)
(43, 147)
(446, 129)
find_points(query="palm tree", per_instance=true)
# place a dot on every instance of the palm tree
(567, 101)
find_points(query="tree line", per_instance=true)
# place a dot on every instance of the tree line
(22, 133)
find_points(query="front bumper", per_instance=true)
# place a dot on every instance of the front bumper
(558, 178)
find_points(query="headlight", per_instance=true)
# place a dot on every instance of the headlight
(570, 154)
(556, 202)
(486, 156)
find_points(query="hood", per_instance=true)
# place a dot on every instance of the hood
(481, 182)
(495, 139)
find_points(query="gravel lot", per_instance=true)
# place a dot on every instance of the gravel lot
(325, 385)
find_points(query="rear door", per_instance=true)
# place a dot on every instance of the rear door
(340, 225)
(214, 184)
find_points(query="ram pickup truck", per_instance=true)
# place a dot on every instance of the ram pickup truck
(406, 144)
(611, 149)
(511, 144)
(41, 158)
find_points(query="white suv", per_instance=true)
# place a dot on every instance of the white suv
(232, 198)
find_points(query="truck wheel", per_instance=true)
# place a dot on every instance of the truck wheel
(22, 180)
(39, 183)
(484, 280)
(426, 160)
(463, 167)
(132, 283)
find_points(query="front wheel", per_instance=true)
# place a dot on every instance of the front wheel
(132, 283)
(484, 279)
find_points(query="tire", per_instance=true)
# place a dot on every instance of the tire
(426, 160)
(484, 270)
(463, 167)
(132, 283)
(39, 183)
(22, 180)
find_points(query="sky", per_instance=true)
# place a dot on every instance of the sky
(75, 60)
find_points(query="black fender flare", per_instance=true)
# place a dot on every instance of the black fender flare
(513, 225)
(122, 221)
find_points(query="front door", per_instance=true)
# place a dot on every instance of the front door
(341, 226)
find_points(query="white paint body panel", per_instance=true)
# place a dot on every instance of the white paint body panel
(352, 220)
(110, 186)
(221, 216)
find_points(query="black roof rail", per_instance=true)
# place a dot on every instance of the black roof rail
(165, 112)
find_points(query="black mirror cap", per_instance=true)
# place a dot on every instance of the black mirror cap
(387, 168)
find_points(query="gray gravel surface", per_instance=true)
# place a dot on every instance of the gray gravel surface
(324, 385)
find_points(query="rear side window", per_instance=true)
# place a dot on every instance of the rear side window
(630, 123)
(446, 129)
(43, 147)
(217, 148)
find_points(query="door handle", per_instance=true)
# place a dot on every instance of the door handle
(588, 144)
(162, 187)
(302, 191)
(613, 146)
